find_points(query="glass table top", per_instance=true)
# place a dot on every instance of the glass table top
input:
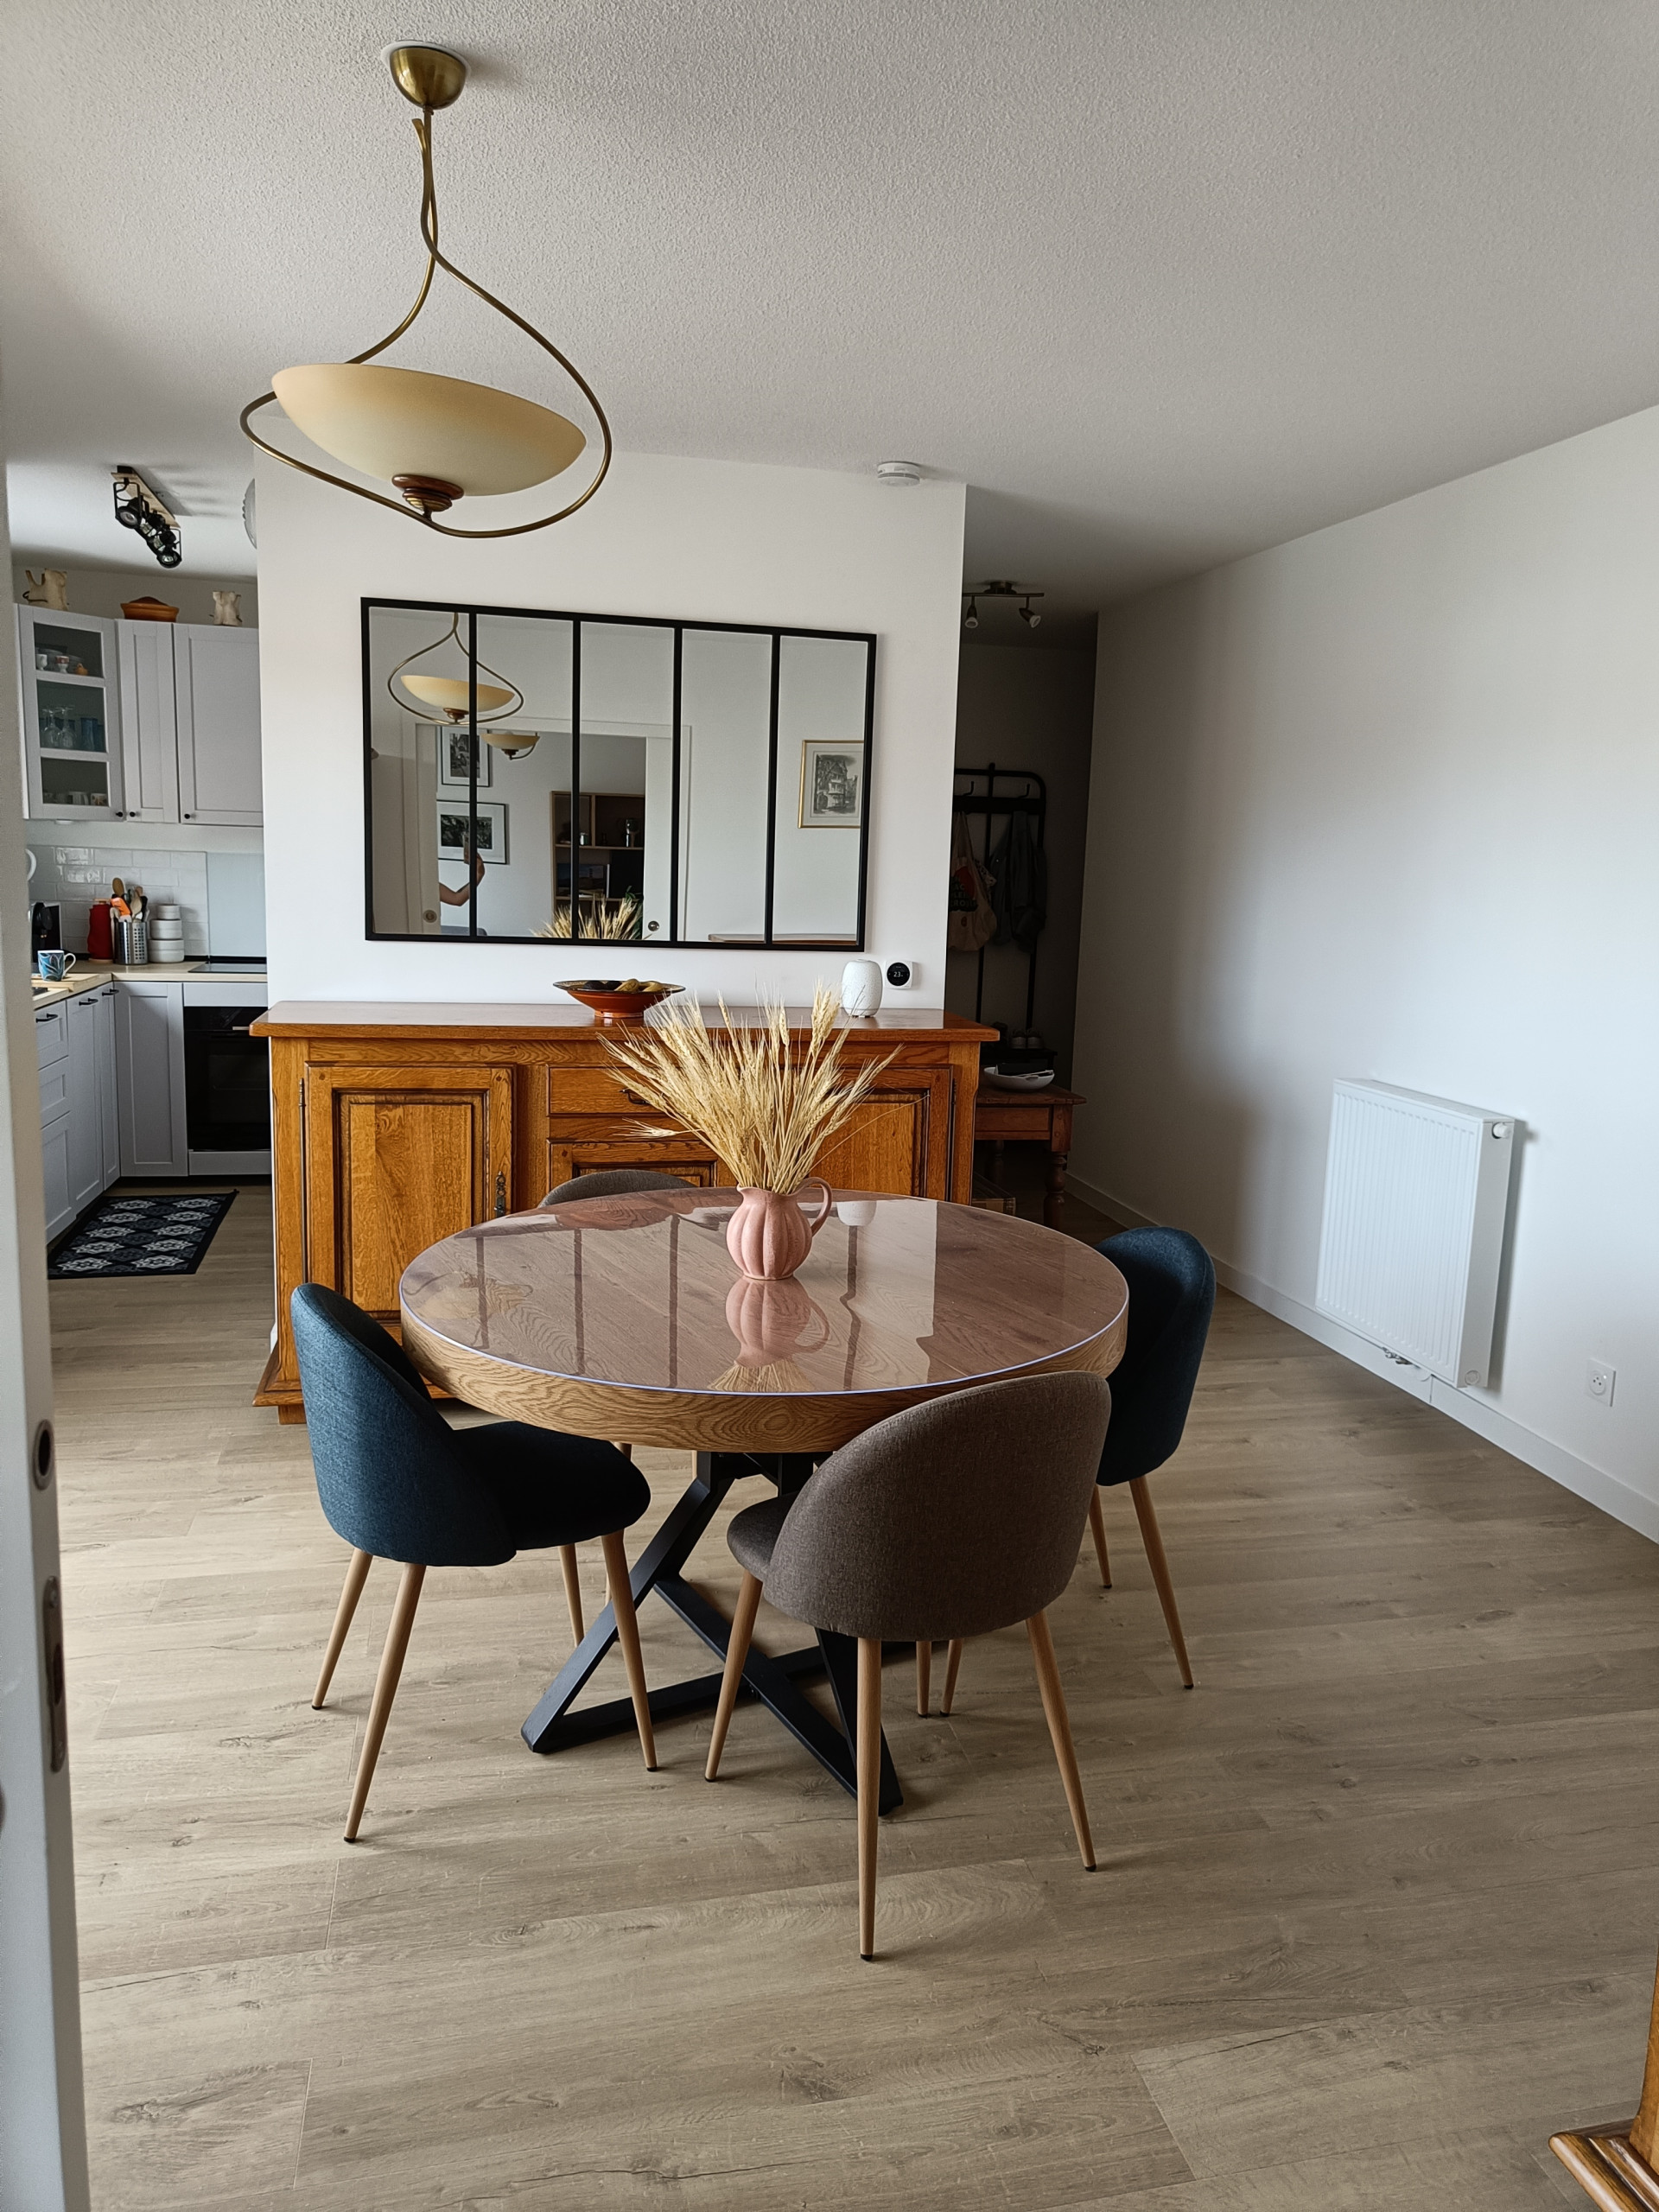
(640, 1290)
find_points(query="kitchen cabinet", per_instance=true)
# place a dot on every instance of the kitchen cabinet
(216, 677)
(71, 716)
(149, 747)
(150, 1078)
(51, 1043)
(86, 1117)
(395, 1126)
(147, 722)
(75, 1040)
(109, 1116)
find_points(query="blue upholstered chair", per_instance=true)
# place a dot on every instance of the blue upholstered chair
(1172, 1295)
(397, 1482)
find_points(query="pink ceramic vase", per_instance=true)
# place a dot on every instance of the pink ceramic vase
(769, 1235)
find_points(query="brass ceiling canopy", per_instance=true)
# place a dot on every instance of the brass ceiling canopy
(436, 439)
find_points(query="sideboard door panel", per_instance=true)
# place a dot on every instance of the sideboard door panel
(400, 1158)
(899, 1140)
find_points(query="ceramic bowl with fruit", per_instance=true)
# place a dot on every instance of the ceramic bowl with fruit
(627, 999)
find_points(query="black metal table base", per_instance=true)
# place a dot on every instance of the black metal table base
(554, 1727)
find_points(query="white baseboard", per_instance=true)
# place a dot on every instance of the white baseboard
(1596, 1487)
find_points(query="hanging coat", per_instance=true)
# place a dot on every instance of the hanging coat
(1020, 896)
(972, 917)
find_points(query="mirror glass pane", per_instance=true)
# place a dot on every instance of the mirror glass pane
(725, 735)
(820, 692)
(579, 812)
(626, 765)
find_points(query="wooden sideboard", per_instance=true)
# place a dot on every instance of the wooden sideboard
(395, 1126)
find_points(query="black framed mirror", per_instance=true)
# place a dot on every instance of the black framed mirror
(535, 775)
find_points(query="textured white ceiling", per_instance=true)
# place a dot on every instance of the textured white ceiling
(1162, 280)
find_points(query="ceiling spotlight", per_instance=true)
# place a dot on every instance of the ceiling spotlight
(434, 439)
(137, 507)
(897, 472)
(1000, 587)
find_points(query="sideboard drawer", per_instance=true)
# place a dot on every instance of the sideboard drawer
(588, 1091)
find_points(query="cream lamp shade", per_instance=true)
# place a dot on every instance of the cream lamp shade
(513, 743)
(405, 422)
(449, 694)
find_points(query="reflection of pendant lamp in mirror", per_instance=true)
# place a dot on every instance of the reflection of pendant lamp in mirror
(514, 743)
(434, 698)
(437, 439)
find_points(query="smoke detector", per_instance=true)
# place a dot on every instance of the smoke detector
(897, 472)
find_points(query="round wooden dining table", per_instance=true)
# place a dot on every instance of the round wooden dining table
(625, 1318)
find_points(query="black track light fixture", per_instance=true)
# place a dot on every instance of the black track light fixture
(137, 507)
(1000, 588)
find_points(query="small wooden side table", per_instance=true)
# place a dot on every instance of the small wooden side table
(1031, 1117)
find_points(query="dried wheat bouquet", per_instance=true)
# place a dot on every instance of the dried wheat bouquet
(767, 1107)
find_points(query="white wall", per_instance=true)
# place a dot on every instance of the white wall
(1384, 802)
(702, 540)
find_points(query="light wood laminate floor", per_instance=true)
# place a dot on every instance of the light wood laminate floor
(1376, 1910)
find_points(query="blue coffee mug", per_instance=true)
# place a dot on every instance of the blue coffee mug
(54, 966)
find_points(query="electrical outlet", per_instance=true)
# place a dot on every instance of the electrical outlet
(1598, 1381)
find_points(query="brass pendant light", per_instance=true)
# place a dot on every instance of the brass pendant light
(438, 439)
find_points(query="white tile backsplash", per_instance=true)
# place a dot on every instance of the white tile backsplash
(76, 875)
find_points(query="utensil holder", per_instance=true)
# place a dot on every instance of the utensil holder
(130, 935)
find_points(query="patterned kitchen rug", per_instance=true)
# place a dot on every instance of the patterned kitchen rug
(165, 1235)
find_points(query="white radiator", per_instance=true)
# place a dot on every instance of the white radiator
(1416, 1190)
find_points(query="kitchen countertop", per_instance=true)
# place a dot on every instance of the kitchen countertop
(90, 975)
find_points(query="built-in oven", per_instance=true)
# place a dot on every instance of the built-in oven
(226, 1091)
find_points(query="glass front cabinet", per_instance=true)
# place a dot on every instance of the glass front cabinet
(72, 716)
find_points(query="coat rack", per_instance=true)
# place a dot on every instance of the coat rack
(1032, 799)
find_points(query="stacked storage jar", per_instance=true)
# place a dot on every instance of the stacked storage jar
(166, 933)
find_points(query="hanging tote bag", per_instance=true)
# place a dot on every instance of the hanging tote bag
(972, 918)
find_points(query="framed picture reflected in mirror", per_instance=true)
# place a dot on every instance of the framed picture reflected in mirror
(454, 831)
(832, 785)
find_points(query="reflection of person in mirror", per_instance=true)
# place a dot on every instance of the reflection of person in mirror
(461, 897)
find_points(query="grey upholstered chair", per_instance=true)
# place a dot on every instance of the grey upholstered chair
(397, 1482)
(612, 1182)
(948, 1520)
(602, 1182)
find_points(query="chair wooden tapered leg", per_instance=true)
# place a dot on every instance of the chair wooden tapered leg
(627, 1634)
(357, 1573)
(869, 1785)
(1154, 1543)
(1097, 1523)
(385, 1689)
(1060, 1728)
(953, 1660)
(572, 1590)
(924, 1676)
(737, 1652)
